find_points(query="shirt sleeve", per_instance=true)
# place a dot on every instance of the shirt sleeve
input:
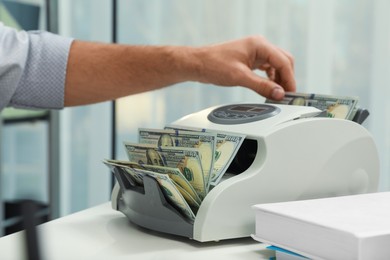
(32, 68)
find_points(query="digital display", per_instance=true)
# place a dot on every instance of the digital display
(242, 113)
(258, 110)
(241, 108)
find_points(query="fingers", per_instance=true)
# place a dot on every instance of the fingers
(284, 70)
(270, 71)
(289, 56)
(290, 85)
(280, 60)
(232, 64)
(263, 86)
(271, 74)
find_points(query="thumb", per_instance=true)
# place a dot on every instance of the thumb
(265, 87)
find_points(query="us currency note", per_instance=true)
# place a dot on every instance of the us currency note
(137, 179)
(187, 160)
(204, 142)
(167, 185)
(178, 178)
(190, 200)
(227, 147)
(343, 107)
(170, 191)
(174, 173)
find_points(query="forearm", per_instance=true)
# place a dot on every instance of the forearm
(98, 72)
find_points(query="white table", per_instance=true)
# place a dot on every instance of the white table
(102, 233)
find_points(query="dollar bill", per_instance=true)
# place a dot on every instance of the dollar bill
(137, 179)
(187, 160)
(174, 173)
(204, 142)
(190, 200)
(168, 186)
(179, 180)
(170, 191)
(343, 107)
(227, 147)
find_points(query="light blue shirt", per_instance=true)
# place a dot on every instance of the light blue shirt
(32, 68)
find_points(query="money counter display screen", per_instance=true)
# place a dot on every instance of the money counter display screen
(240, 114)
(248, 109)
(240, 108)
(259, 110)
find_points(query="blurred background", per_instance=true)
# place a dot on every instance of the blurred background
(54, 157)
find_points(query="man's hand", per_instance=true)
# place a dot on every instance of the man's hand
(233, 64)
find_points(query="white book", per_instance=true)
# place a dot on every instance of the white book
(355, 227)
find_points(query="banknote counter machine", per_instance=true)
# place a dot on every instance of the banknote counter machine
(290, 153)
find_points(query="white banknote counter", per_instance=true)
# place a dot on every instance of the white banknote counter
(289, 154)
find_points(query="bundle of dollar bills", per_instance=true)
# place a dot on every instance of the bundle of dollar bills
(343, 107)
(187, 163)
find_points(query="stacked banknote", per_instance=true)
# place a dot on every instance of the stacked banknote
(343, 107)
(186, 163)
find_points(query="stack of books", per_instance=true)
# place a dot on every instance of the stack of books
(355, 227)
